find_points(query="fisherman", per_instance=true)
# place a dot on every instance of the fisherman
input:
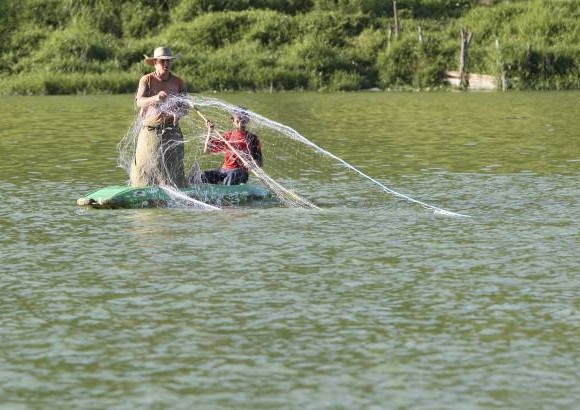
(159, 154)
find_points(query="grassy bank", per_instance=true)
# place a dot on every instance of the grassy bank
(97, 46)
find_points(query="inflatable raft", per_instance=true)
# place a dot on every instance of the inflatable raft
(153, 196)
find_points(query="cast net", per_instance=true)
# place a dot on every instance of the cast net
(296, 171)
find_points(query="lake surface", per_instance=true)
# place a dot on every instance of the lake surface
(373, 302)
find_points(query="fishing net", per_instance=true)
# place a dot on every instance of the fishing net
(278, 149)
(295, 170)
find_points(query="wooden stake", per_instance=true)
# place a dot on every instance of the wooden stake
(466, 37)
(396, 17)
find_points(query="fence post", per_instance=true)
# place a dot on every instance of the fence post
(466, 37)
(396, 17)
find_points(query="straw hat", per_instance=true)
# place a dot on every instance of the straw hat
(160, 53)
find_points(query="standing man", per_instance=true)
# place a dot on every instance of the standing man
(159, 154)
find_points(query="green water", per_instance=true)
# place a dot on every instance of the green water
(372, 303)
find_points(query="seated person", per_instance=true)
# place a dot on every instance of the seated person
(242, 152)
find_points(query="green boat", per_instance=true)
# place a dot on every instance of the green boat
(112, 197)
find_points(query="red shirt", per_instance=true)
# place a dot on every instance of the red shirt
(241, 141)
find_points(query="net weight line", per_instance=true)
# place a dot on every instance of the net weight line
(295, 135)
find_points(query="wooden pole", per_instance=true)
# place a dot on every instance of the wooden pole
(504, 68)
(396, 17)
(505, 77)
(466, 37)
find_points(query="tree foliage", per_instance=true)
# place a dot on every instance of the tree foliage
(71, 46)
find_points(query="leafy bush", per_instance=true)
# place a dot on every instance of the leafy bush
(75, 83)
(76, 49)
(332, 28)
(139, 20)
(84, 45)
(212, 30)
(188, 10)
(397, 65)
(271, 29)
(341, 80)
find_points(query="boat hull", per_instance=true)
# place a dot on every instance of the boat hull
(112, 197)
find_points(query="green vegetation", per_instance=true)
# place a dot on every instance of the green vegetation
(97, 46)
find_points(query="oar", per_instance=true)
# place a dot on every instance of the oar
(253, 166)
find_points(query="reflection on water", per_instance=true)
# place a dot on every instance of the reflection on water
(371, 301)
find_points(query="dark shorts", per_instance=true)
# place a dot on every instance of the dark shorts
(225, 176)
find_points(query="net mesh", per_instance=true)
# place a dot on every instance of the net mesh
(295, 169)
